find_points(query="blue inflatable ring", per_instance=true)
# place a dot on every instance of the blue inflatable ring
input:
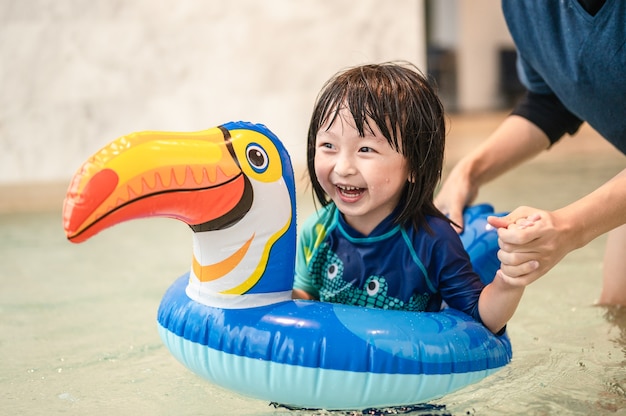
(230, 319)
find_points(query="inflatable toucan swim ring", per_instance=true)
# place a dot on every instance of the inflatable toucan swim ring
(231, 319)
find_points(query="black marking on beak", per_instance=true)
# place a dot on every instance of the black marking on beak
(229, 145)
(243, 206)
(234, 215)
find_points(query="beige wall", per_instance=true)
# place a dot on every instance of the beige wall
(75, 75)
(482, 32)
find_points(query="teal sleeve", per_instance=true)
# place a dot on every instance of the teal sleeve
(306, 241)
(311, 232)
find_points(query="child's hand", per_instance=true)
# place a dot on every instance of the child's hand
(507, 222)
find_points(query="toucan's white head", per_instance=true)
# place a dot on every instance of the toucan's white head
(232, 184)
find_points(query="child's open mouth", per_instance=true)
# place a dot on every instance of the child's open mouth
(350, 191)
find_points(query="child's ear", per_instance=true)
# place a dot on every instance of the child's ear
(411, 177)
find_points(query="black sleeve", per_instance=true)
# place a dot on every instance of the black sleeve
(548, 113)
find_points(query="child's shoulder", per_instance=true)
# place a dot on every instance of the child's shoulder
(439, 225)
(321, 219)
(316, 227)
(323, 214)
(440, 231)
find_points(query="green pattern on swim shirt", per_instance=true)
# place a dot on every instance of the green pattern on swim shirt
(327, 271)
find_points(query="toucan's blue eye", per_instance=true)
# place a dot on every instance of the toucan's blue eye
(257, 157)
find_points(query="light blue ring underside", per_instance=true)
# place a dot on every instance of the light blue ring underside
(313, 387)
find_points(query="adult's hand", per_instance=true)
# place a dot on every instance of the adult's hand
(456, 193)
(532, 242)
(513, 142)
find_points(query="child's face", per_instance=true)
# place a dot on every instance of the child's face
(364, 176)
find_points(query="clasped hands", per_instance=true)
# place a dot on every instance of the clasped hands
(531, 242)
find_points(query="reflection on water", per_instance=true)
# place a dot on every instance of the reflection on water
(78, 322)
(616, 315)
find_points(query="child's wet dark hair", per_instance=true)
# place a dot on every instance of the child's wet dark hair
(405, 107)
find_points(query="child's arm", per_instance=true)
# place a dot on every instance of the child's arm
(498, 302)
(499, 299)
(301, 294)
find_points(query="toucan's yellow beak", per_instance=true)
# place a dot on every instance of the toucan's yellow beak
(192, 177)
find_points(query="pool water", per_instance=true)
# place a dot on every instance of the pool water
(78, 332)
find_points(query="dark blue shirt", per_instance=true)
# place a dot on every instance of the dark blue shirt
(394, 267)
(564, 50)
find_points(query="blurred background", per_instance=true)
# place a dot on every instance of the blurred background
(76, 74)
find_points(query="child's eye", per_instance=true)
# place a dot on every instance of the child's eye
(366, 149)
(326, 145)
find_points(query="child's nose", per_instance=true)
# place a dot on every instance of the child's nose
(344, 166)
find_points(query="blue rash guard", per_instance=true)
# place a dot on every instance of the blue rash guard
(392, 268)
(579, 57)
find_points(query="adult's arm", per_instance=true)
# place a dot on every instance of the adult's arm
(540, 117)
(548, 113)
(529, 251)
(516, 140)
